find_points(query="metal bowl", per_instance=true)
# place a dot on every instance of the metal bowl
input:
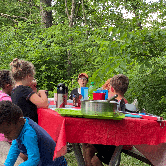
(98, 107)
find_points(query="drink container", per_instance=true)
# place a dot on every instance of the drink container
(60, 95)
(84, 92)
(91, 87)
(55, 98)
(66, 94)
(76, 100)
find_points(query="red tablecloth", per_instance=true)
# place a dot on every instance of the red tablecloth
(129, 131)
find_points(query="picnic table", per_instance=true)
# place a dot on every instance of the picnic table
(148, 136)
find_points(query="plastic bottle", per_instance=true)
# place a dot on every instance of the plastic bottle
(91, 87)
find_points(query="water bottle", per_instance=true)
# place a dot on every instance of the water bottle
(91, 87)
(61, 95)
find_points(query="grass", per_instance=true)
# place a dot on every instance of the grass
(125, 160)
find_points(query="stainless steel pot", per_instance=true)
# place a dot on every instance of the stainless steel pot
(98, 107)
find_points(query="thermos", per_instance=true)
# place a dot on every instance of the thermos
(61, 92)
(66, 94)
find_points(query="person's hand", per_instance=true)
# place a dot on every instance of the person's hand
(74, 101)
(41, 93)
(80, 96)
(34, 85)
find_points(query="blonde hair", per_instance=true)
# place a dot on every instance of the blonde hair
(20, 69)
(107, 84)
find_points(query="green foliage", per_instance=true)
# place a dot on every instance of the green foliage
(126, 160)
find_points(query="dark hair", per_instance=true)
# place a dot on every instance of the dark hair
(20, 69)
(5, 78)
(120, 83)
(9, 112)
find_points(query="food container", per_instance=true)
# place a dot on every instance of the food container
(98, 107)
(103, 91)
(98, 96)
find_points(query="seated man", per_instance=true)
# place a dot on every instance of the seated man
(118, 85)
(82, 81)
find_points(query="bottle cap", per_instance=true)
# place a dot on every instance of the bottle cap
(92, 83)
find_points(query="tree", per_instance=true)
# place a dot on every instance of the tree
(45, 14)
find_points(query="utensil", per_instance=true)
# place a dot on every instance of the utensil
(130, 108)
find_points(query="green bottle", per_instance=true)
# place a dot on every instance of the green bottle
(91, 89)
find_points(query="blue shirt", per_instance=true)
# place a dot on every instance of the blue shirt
(37, 144)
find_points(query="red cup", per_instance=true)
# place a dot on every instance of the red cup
(98, 96)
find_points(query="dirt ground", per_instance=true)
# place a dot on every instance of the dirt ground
(4, 149)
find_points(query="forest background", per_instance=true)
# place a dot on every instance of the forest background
(63, 38)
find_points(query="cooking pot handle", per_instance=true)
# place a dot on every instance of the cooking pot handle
(112, 98)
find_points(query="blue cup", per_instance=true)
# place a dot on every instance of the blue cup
(84, 93)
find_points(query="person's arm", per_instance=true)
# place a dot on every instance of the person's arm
(40, 99)
(31, 144)
(71, 94)
(7, 98)
(13, 154)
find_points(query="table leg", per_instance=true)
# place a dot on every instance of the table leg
(78, 154)
(115, 155)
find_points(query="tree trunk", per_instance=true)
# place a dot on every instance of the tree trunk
(46, 15)
(137, 15)
(71, 23)
(84, 12)
(70, 17)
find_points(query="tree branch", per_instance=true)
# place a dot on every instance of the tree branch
(84, 12)
(72, 13)
(66, 10)
(77, 10)
(8, 16)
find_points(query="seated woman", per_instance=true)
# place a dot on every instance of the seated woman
(22, 95)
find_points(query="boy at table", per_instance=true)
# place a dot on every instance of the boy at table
(28, 137)
(82, 81)
(118, 85)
